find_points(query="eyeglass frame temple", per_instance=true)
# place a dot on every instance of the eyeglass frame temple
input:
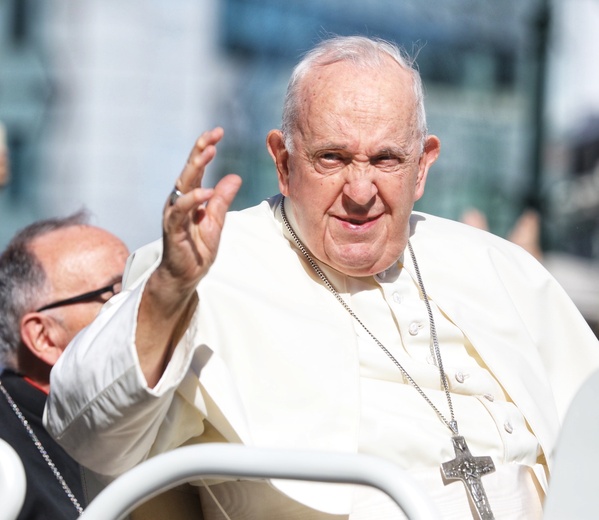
(80, 298)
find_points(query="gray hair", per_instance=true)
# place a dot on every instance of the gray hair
(362, 52)
(23, 282)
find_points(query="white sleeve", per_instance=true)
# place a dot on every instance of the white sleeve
(100, 408)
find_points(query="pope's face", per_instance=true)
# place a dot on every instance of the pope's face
(356, 167)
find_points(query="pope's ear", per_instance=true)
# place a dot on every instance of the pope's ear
(275, 142)
(432, 148)
(41, 336)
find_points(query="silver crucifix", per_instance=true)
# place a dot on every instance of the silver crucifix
(469, 470)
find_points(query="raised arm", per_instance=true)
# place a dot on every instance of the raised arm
(192, 226)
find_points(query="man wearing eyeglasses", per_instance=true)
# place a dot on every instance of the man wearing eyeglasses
(54, 277)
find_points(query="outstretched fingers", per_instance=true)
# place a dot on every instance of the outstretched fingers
(201, 154)
(209, 216)
(222, 196)
(194, 216)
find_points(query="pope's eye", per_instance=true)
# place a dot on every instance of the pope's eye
(386, 160)
(331, 157)
(330, 161)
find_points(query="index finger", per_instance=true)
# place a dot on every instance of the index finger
(201, 154)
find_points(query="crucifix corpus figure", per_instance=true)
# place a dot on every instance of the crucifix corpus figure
(469, 470)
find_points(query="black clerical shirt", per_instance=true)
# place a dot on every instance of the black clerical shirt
(45, 499)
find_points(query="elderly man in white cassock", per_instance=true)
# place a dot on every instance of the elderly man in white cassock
(332, 317)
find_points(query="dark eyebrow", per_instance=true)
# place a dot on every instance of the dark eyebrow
(392, 150)
(397, 151)
(329, 146)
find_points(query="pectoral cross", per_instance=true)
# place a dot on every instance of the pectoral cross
(469, 470)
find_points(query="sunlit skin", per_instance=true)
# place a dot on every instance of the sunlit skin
(76, 259)
(357, 166)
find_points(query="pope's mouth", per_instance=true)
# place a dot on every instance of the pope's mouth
(356, 223)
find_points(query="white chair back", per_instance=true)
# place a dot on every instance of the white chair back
(13, 483)
(573, 488)
(233, 460)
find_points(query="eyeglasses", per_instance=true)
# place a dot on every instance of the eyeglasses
(113, 288)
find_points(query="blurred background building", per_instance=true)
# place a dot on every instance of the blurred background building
(102, 100)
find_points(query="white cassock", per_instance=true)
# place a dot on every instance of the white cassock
(272, 359)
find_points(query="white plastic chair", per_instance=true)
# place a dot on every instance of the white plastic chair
(170, 469)
(13, 483)
(573, 487)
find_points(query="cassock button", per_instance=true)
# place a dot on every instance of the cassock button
(459, 377)
(414, 328)
(508, 427)
(489, 397)
(396, 297)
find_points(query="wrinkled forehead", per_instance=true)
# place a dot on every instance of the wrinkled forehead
(346, 98)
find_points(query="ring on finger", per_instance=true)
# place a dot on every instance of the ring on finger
(175, 194)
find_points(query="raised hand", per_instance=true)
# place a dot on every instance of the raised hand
(193, 223)
(193, 220)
